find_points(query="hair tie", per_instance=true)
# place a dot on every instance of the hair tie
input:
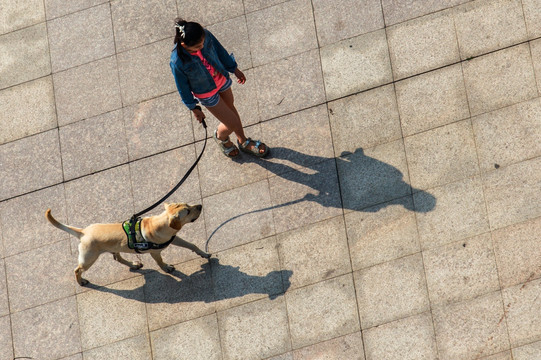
(181, 30)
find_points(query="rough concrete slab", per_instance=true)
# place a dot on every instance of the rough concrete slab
(16, 15)
(521, 303)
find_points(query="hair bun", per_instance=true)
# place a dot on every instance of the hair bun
(180, 21)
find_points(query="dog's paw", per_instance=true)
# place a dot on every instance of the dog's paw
(205, 255)
(136, 265)
(83, 282)
(168, 268)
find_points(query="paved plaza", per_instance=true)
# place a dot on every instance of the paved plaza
(397, 218)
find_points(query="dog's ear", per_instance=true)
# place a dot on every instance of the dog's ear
(176, 221)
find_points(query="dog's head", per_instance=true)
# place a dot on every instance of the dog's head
(181, 214)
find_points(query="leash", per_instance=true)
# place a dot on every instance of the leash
(135, 216)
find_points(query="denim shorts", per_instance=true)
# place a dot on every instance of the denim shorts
(214, 99)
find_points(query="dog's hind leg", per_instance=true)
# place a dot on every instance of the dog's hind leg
(132, 265)
(86, 259)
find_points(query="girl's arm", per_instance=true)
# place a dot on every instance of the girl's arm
(183, 88)
(226, 59)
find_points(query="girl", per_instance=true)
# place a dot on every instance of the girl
(201, 68)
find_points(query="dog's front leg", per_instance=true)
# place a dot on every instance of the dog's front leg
(183, 243)
(158, 258)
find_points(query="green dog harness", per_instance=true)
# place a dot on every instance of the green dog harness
(136, 240)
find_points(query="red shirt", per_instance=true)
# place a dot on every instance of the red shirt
(219, 79)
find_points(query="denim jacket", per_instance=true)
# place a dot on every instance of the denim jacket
(192, 76)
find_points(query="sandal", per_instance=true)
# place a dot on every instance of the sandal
(255, 150)
(227, 150)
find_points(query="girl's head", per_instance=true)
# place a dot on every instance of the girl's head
(189, 35)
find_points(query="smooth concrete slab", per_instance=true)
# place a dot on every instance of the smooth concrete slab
(508, 135)
(517, 252)
(535, 49)
(210, 12)
(333, 24)
(430, 100)
(228, 32)
(422, 44)
(253, 5)
(4, 306)
(27, 109)
(16, 48)
(30, 164)
(532, 16)
(391, 291)
(81, 37)
(50, 331)
(499, 79)
(364, 120)
(155, 21)
(388, 341)
(356, 64)
(136, 348)
(320, 312)
(16, 15)
(58, 8)
(483, 26)
(527, 352)
(349, 347)
(295, 34)
(86, 91)
(460, 212)
(453, 155)
(523, 321)
(6, 343)
(396, 11)
(462, 333)
(255, 331)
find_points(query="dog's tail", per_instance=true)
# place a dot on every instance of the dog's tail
(78, 233)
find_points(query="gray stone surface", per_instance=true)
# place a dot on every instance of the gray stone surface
(401, 195)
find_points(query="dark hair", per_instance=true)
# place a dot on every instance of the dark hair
(190, 35)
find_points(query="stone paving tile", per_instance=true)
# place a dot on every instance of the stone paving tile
(145, 73)
(6, 344)
(81, 37)
(471, 329)
(315, 253)
(197, 339)
(349, 347)
(508, 135)
(289, 85)
(453, 155)
(460, 212)
(505, 355)
(487, 25)
(292, 149)
(247, 208)
(391, 291)
(136, 348)
(47, 332)
(511, 193)
(112, 313)
(76, 97)
(322, 311)
(40, 276)
(4, 304)
(334, 24)
(535, 48)
(17, 15)
(396, 11)
(214, 165)
(200, 10)
(295, 34)
(379, 236)
(253, 5)
(27, 109)
(373, 176)
(499, 79)
(528, 352)
(15, 50)
(390, 341)
(461, 271)
(102, 136)
(140, 23)
(254, 331)
(305, 197)
(23, 222)
(518, 251)
(57, 8)
(532, 16)
(431, 100)
(412, 41)
(156, 125)
(249, 272)
(356, 64)
(364, 120)
(522, 303)
(183, 295)
(30, 164)
(228, 33)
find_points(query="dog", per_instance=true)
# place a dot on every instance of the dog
(97, 239)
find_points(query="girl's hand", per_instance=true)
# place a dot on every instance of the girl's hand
(199, 115)
(240, 76)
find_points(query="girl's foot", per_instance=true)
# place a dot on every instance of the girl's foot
(228, 148)
(256, 148)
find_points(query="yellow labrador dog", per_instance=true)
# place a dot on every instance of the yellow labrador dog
(97, 239)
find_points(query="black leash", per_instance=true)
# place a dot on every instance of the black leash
(135, 216)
